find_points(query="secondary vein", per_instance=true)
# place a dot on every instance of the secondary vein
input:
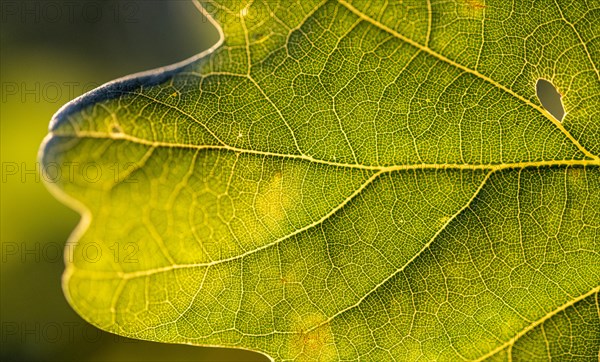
(429, 51)
(538, 322)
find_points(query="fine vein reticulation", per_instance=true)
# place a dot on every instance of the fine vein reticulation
(347, 180)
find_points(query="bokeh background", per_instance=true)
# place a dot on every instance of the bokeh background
(51, 52)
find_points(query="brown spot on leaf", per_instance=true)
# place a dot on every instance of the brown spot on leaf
(475, 4)
(314, 344)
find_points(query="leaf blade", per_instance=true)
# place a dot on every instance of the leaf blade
(261, 291)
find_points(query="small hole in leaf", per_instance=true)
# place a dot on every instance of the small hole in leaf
(550, 98)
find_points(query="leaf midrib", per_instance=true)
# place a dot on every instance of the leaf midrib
(415, 166)
(378, 171)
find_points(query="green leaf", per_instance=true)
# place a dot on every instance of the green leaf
(347, 180)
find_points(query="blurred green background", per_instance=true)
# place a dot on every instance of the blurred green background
(51, 52)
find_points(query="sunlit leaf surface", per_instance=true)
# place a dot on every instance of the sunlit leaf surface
(348, 180)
